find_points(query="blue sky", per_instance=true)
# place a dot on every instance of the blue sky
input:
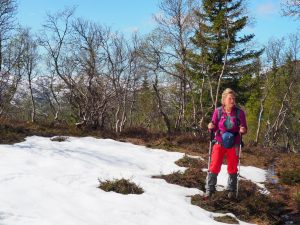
(130, 15)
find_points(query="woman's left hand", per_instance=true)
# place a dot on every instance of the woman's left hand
(243, 130)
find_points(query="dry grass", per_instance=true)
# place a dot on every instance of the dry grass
(226, 219)
(137, 132)
(250, 206)
(283, 197)
(121, 186)
(297, 198)
(288, 162)
(258, 156)
(193, 177)
(59, 138)
(13, 131)
(290, 177)
(187, 161)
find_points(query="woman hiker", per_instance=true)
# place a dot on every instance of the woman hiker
(228, 123)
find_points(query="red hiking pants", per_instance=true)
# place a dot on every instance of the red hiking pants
(232, 157)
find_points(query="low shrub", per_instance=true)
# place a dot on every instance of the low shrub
(297, 198)
(140, 132)
(187, 139)
(290, 177)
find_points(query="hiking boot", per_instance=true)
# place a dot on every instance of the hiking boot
(231, 194)
(209, 193)
(211, 181)
(231, 185)
(232, 182)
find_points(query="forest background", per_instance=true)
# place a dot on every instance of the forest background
(78, 73)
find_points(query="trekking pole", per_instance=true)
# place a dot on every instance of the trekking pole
(239, 166)
(210, 148)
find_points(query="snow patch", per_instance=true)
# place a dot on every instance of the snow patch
(43, 182)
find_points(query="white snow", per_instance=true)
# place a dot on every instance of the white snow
(43, 182)
(254, 174)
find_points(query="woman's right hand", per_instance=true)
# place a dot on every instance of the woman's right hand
(211, 126)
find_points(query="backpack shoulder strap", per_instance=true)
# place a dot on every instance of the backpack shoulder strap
(219, 113)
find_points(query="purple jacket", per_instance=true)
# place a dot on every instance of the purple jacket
(228, 123)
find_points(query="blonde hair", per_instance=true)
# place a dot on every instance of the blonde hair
(226, 92)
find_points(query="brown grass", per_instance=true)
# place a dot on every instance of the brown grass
(287, 167)
(297, 198)
(193, 177)
(226, 219)
(187, 161)
(13, 131)
(250, 206)
(59, 138)
(121, 186)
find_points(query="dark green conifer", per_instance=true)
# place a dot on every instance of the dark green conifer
(220, 43)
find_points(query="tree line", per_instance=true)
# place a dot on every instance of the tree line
(76, 71)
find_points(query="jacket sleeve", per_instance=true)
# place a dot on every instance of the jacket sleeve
(243, 119)
(215, 121)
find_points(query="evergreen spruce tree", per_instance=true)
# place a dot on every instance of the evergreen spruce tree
(221, 56)
(145, 106)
